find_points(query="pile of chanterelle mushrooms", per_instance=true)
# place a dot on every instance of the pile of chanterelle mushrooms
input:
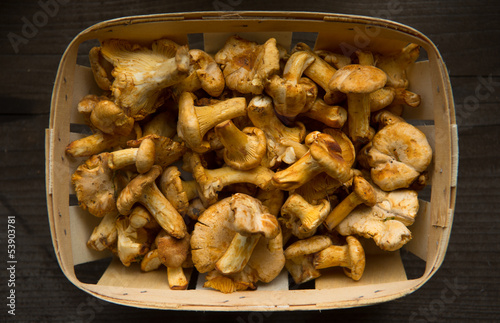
(250, 161)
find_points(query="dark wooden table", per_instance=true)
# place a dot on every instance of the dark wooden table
(466, 287)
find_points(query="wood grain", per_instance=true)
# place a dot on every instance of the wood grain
(466, 32)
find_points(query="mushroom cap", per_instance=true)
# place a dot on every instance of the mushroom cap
(307, 246)
(267, 258)
(358, 79)
(208, 72)
(173, 252)
(399, 153)
(246, 154)
(217, 225)
(327, 152)
(364, 191)
(247, 65)
(133, 191)
(252, 217)
(346, 145)
(356, 257)
(166, 152)
(93, 182)
(212, 235)
(110, 118)
(385, 222)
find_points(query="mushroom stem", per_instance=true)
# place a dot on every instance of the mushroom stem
(298, 173)
(324, 155)
(351, 257)
(321, 73)
(176, 278)
(195, 121)
(230, 135)
(259, 176)
(122, 158)
(191, 189)
(333, 256)
(363, 193)
(358, 116)
(237, 254)
(96, 143)
(143, 189)
(164, 213)
(331, 115)
(104, 234)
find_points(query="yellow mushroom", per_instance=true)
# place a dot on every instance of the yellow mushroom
(324, 155)
(302, 217)
(195, 121)
(243, 149)
(142, 189)
(351, 257)
(247, 65)
(283, 143)
(357, 82)
(292, 93)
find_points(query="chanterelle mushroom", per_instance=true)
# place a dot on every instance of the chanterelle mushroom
(142, 189)
(350, 256)
(300, 255)
(247, 65)
(395, 65)
(357, 82)
(93, 182)
(386, 222)
(324, 155)
(303, 218)
(283, 143)
(177, 191)
(225, 221)
(292, 93)
(399, 153)
(195, 121)
(243, 149)
(140, 74)
(104, 235)
(110, 118)
(97, 143)
(206, 74)
(331, 115)
(321, 73)
(251, 221)
(211, 181)
(173, 253)
(363, 193)
(131, 247)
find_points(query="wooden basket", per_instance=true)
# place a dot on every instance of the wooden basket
(384, 278)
